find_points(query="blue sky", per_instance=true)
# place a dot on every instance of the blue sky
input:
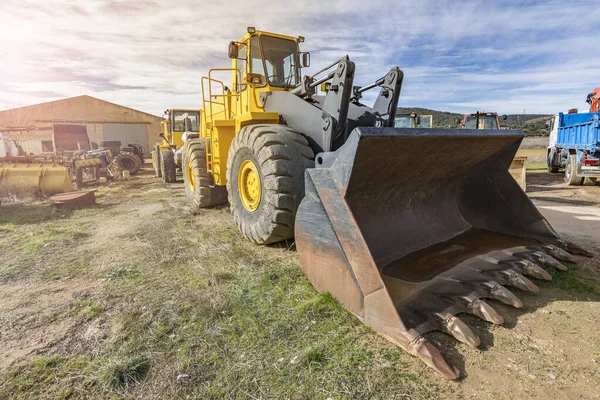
(505, 56)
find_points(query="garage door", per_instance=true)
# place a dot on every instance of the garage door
(127, 133)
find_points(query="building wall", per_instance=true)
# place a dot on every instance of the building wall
(82, 109)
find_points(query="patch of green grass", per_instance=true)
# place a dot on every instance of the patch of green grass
(43, 251)
(124, 373)
(575, 280)
(87, 308)
(536, 166)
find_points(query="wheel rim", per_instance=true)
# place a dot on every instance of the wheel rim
(189, 171)
(127, 164)
(249, 185)
(568, 171)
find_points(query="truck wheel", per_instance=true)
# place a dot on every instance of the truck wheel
(167, 166)
(156, 163)
(128, 162)
(550, 161)
(571, 176)
(199, 185)
(265, 180)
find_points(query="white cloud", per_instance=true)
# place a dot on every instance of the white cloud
(151, 54)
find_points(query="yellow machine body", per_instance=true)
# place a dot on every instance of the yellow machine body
(227, 110)
(42, 178)
(174, 126)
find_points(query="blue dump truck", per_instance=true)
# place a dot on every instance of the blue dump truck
(575, 146)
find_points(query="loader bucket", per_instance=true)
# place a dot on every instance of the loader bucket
(409, 227)
(29, 177)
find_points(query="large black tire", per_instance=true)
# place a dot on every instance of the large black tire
(571, 176)
(168, 169)
(552, 168)
(156, 163)
(200, 185)
(128, 162)
(281, 155)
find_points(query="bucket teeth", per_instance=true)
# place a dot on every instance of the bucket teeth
(544, 258)
(431, 356)
(534, 270)
(504, 295)
(483, 310)
(520, 282)
(461, 331)
(559, 253)
(574, 249)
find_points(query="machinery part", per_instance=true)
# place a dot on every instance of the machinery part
(571, 176)
(73, 200)
(127, 149)
(137, 150)
(406, 242)
(156, 163)
(87, 171)
(42, 178)
(265, 180)
(113, 145)
(199, 184)
(126, 161)
(168, 169)
(518, 170)
(593, 99)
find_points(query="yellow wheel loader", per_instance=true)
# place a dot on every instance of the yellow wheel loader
(166, 155)
(407, 228)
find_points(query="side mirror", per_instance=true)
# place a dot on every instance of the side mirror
(418, 121)
(548, 122)
(305, 60)
(457, 120)
(254, 79)
(232, 50)
(504, 117)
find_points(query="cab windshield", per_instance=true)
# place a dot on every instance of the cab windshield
(481, 122)
(404, 121)
(193, 121)
(281, 61)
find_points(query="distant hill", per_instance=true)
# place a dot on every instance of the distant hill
(532, 124)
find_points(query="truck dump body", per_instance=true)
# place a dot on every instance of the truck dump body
(406, 242)
(579, 131)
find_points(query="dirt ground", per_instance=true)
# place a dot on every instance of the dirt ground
(548, 349)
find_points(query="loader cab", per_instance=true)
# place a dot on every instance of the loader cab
(264, 62)
(481, 120)
(413, 121)
(178, 121)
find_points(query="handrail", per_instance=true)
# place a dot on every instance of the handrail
(227, 108)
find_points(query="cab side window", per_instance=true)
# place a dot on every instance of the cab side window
(241, 65)
(256, 61)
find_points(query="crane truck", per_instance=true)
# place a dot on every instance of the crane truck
(574, 145)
